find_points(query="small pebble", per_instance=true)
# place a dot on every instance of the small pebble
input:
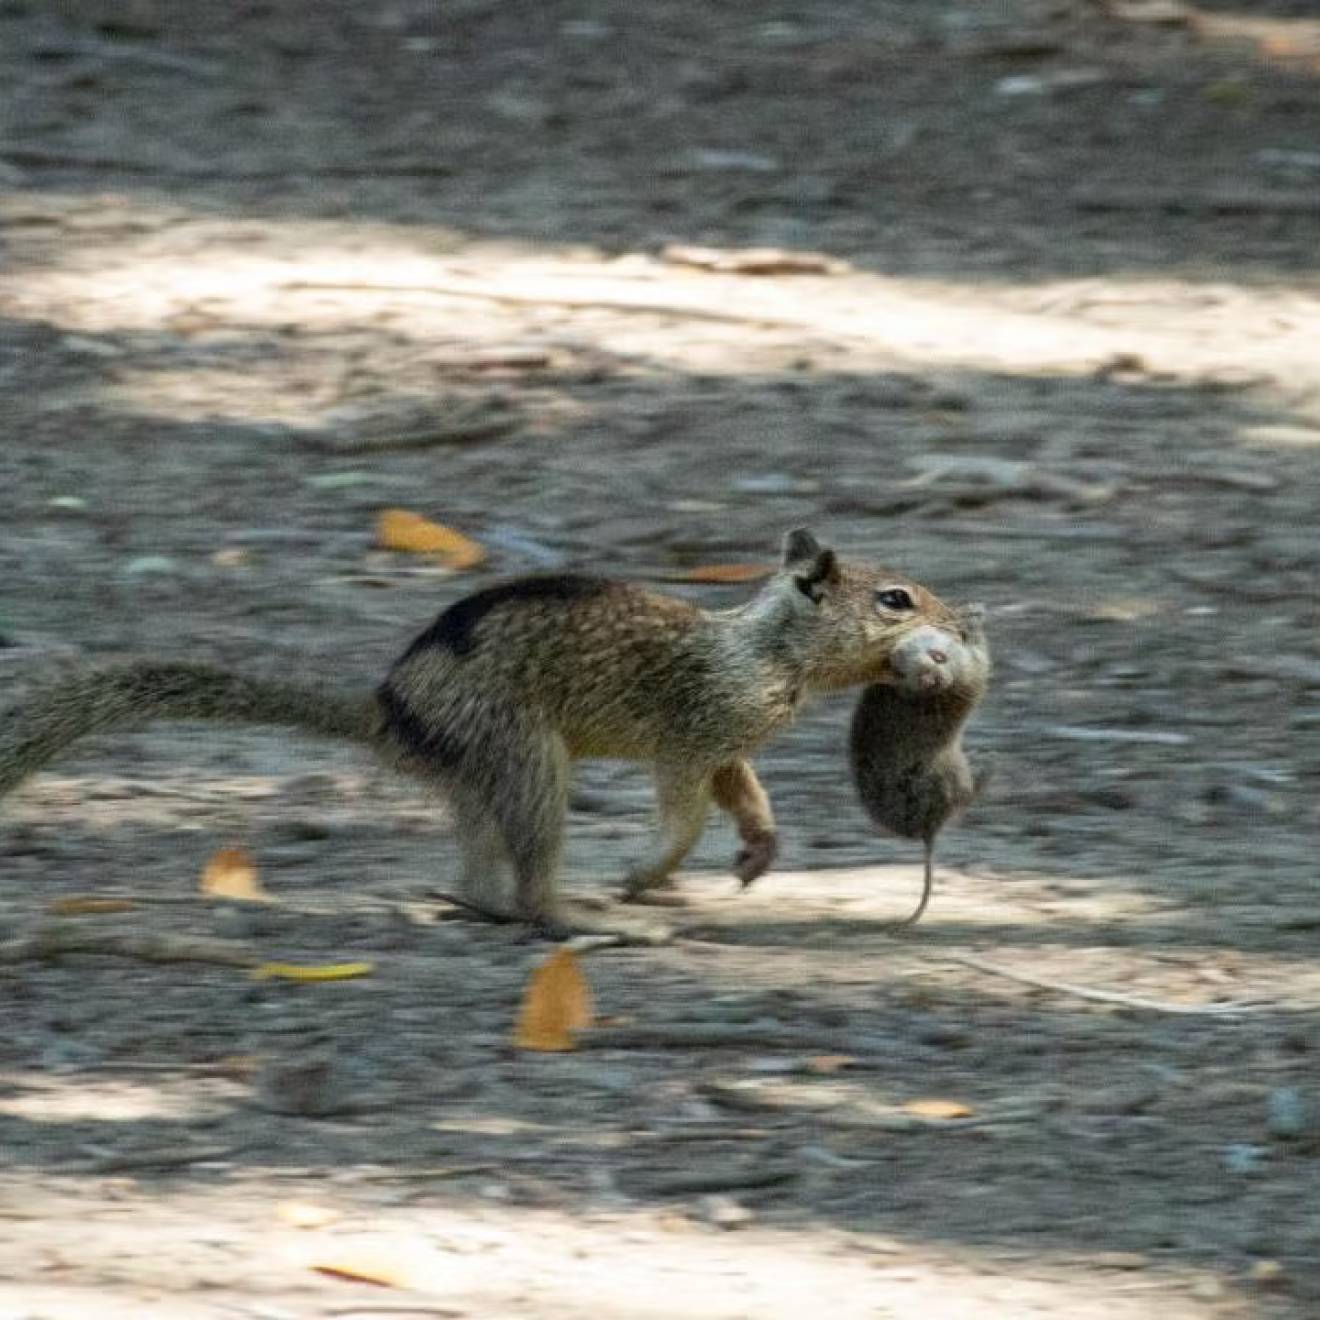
(725, 1212)
(1287, 1116)
(1243, 1159)
(313, 1086)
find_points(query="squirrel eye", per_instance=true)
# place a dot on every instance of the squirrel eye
(894, 598)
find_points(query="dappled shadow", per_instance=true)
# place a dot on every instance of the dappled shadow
(368, 262)
(1079, 146)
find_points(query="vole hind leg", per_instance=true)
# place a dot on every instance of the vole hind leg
(738, 791)
(683, 800)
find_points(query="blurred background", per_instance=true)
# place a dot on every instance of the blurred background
(1020, 298)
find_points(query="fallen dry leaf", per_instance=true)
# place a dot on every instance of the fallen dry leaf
(938, 1108)
(399, 529)
(232, 873)
(557, 1003)
(726, 573)
(322, 972)
(830, 1063)
(77, 905)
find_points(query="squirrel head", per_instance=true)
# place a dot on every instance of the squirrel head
(853, 618)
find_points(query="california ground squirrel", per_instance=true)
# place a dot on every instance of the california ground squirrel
(905, 743)
(509, 686)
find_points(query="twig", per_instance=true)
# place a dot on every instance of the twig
(1099, 996)
(718, 1035)
(549, 300)
(54, 941)
(1219, 203)
(470, 431)
(168, 1157)
(34, 158)
(840, 1111)
(1077, 733)
(466, 908)
(715, 1178)
(393, 1308)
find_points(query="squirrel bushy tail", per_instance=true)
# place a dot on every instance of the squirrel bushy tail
(129, 695)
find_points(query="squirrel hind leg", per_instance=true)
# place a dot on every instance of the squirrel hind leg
(683, 799)
(526, 804)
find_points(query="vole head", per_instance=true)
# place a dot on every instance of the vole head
(852, 618)
(950, 658)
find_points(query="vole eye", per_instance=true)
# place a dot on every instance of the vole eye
(894, 598)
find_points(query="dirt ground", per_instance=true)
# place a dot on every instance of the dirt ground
(270, 267)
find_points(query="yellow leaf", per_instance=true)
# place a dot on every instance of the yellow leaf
(306, 1214)
(231, 873)
(938, 1108)
(77, 905)
(324, 972)
(398, 529)
(557, 1003)
(727, 573)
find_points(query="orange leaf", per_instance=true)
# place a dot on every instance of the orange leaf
(938, 1108)
(830, 1063)
(232, 873)
(727, 573)
(557, 1003)
(398, 529)
(77, 905)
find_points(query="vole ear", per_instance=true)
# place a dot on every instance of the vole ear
(813, 565)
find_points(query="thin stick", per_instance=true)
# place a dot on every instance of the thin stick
(1222, 203)
(470, 909)
(1099, 996)
(35, 158)
(56, 940)
(550, 300)
(719, 1035)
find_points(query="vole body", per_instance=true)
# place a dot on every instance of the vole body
(905, 743)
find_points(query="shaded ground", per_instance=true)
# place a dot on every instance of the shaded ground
(267, 274)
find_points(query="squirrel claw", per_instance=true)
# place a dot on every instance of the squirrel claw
(755, 857)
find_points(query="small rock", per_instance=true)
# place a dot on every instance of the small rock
(306, 829)
(710, 158)
(1065, 80)
(151, 566)
(1268, 1274)
(1243, 1159)
(313, 1086)
(239, 922)
(1288, 1115)
(725, 1212)
(70, 1056)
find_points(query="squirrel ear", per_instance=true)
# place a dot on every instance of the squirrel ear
(799, 545)
(811, 564)
(817, 575)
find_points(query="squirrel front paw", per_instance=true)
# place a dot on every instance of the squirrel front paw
(756, 856)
